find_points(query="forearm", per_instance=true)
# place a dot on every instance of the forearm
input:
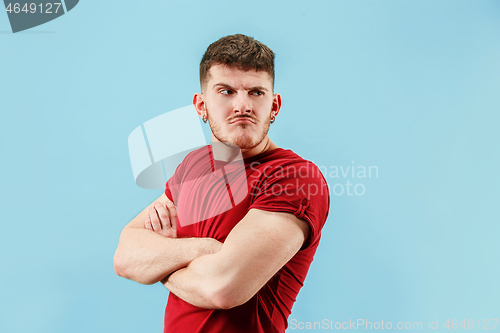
(197, 283)
(147, 257)
(211, 282)
(253, 252)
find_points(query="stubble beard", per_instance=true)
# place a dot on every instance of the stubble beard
(243, 141)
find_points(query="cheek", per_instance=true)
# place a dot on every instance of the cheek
(265, 106)
(217, 116)
(220, 106)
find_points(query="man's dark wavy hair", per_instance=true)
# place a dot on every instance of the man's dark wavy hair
(238, 51)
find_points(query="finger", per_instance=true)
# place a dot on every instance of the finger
(173, 213)
(155, 222)
(163, 214)
(147, 223)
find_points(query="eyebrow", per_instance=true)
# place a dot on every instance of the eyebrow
(225, 85)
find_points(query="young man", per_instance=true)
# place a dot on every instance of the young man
(231, 266)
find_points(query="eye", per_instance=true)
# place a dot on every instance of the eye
(225, 91)
(257, 93)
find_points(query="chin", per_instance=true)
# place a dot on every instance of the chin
(244, 142)
(245, 145)
(243, 138)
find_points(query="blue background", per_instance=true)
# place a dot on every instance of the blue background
(411, 87)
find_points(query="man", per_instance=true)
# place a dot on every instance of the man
(234, 267)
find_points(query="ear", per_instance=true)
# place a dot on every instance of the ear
(276, 104)
(199, 105)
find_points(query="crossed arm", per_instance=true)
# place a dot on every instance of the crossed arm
(146, 256)
(224, 276)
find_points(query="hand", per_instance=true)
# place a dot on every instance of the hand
(162, 219)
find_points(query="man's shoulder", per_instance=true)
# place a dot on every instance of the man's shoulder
(196, 155)
(200, 151)
(286, 160)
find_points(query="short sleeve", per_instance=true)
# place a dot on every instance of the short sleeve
(300, 189)
(173, 184)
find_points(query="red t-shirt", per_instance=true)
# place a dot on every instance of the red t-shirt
(212, 197)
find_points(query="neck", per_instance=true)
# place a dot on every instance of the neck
(225, 152)
(262, 147)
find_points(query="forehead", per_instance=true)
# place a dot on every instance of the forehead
(234, 76)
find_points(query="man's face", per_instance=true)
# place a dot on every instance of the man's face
(239, 105)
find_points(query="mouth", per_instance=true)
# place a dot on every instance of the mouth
(242, 120)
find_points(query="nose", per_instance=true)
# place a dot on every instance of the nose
(242, 103)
